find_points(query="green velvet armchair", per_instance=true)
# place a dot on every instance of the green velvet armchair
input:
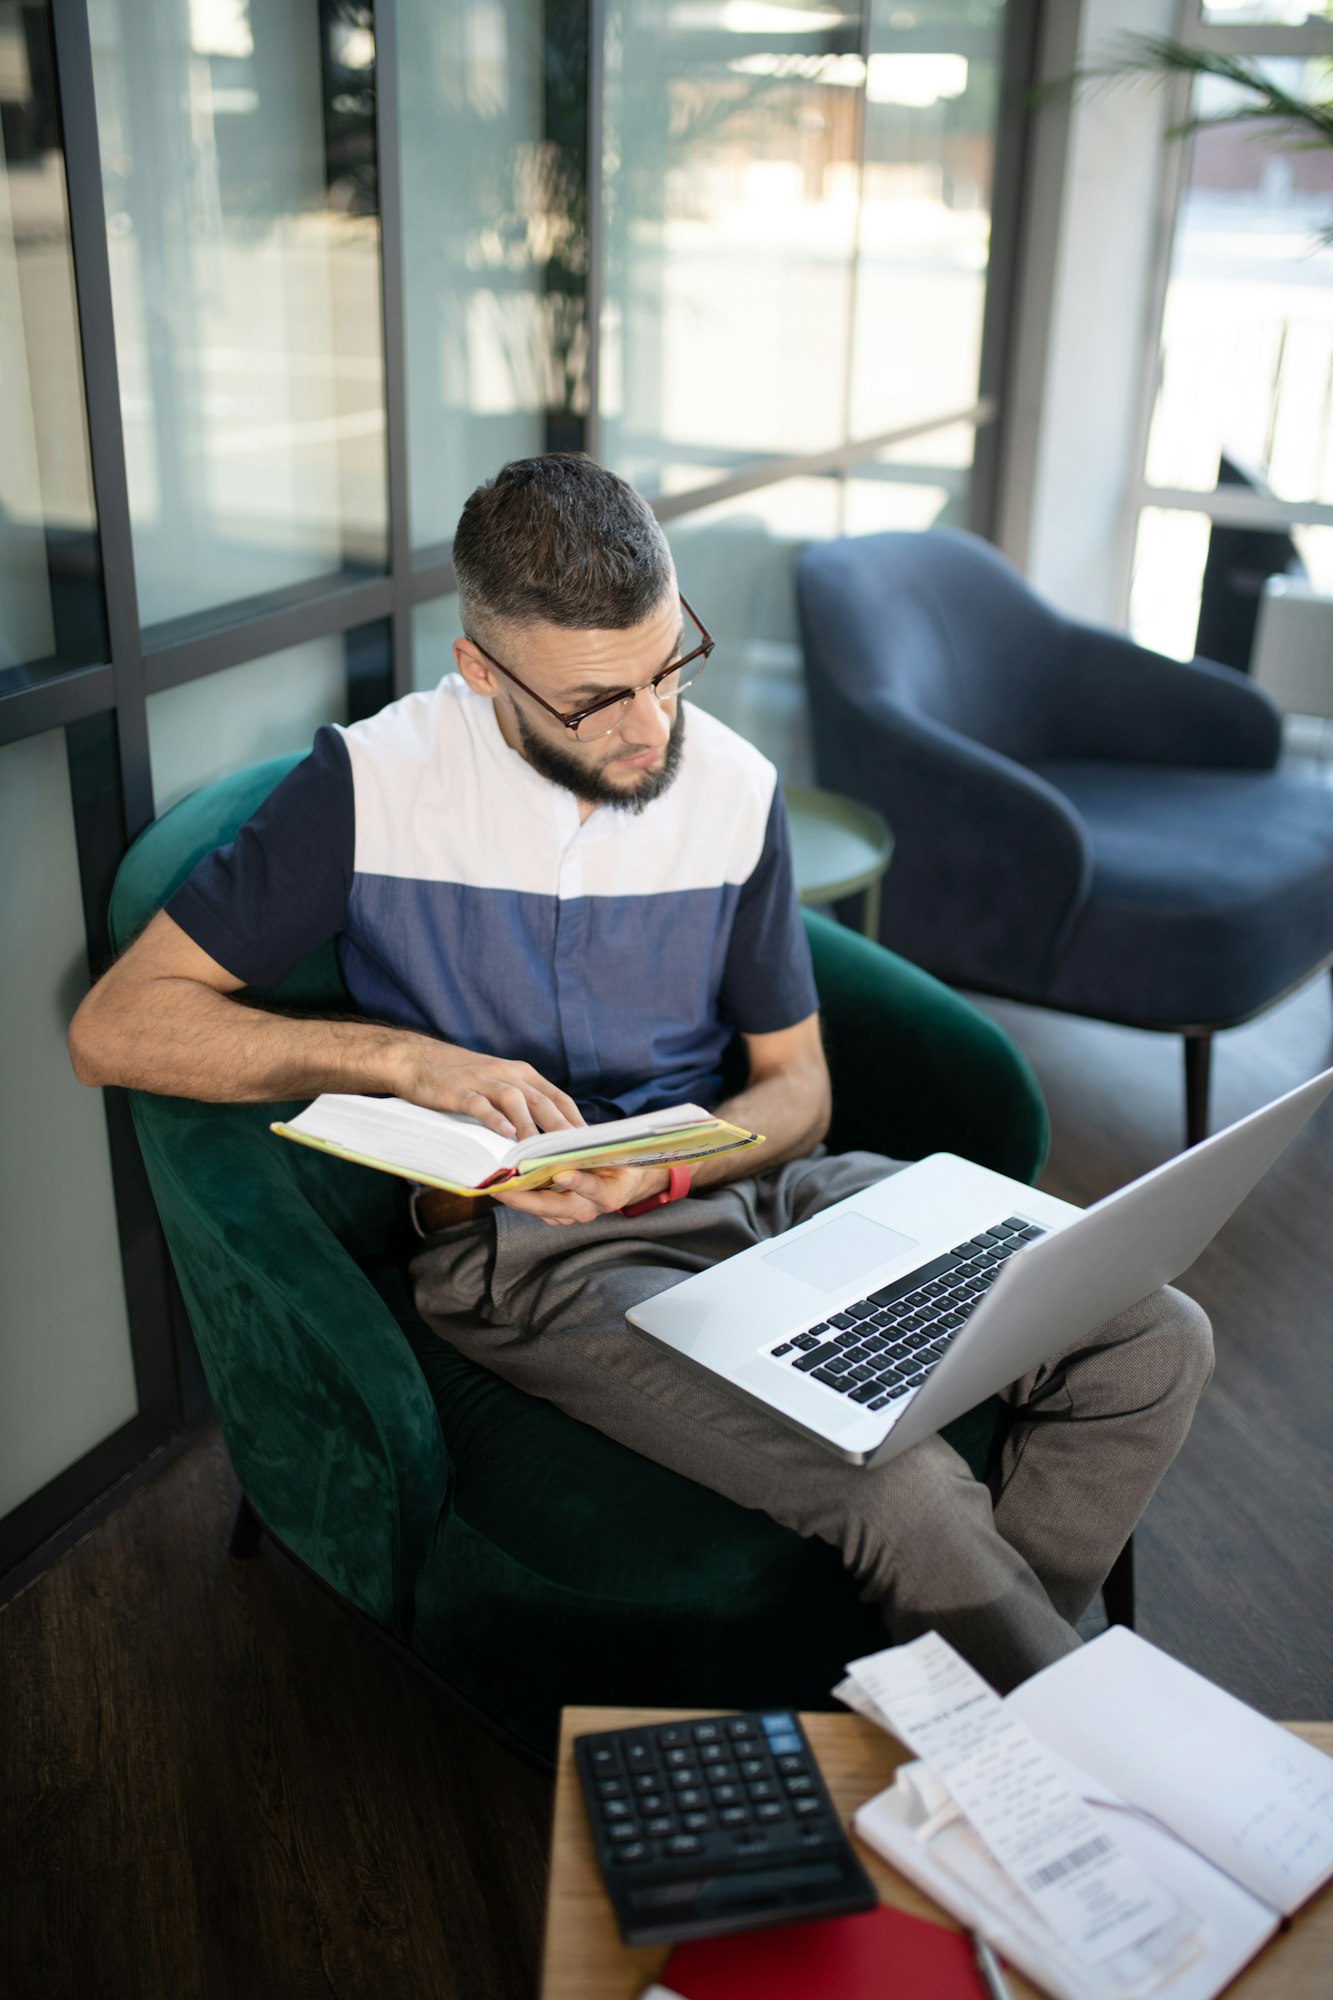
(523, 1558)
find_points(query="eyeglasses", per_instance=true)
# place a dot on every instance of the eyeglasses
(589, 725)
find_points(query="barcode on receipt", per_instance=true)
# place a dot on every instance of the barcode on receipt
(1078, 1857)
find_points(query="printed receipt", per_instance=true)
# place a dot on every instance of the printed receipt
(1069, 1867)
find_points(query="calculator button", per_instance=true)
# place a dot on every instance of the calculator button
(798, 1785)
(611, 1788)
(754, 1767)
(733, 1816)
(778, 1724)
(713, 1753)
(629, 1831)
(763, 1788)
(659, 1824)
(617, 1809)
(690, 1798)
(647, 1781)
(789, 1766)
(670, 1735)
(684, 1843)
(803, 1808)
(653, 1802)
(740, 1727)
(605, 1759)
(680, 1779)
(677, 1759)
(695, 1822)
(769, 1810)
(633, 1850)
(707, 1732)
(785, 1746)
(639, 1757)
(720, 1774)
(727, 1795)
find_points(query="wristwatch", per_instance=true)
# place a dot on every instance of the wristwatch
(677, 1187)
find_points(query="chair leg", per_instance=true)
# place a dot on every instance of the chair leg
(1118, 1589)
(1198, 1074)
(245, 1532)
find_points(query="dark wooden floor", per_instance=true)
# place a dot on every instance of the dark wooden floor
(213, 1784)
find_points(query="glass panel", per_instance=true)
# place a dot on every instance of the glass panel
(1289, 13)
(1169, 556)
(731, 169)
(1247, 334)
(237, 145)
(736, 564)
(473, 171)
(920, 484)
(932, 102)
(66, 1372)
(435, 626)
(206, 728)
(50, 592)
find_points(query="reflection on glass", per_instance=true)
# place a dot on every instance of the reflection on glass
(922, 483)
(237, 144)
(1170, 551)
(475, 191)
(207, 728)
(66, 1370)
(1287, 13)
(1247, 334)
(435, 626)
(730, 198)
(49, 586)
(932, 97)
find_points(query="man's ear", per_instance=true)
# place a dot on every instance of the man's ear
(479, 677)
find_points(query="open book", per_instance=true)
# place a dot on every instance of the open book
(1220, 1813)
(443, 1149)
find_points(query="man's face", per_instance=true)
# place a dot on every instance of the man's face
(638, 759)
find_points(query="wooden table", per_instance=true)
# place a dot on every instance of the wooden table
(585, 1960)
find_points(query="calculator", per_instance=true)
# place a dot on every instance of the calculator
(721, 1824)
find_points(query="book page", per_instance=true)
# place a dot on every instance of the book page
(615, 1131)
(441, 1145)
(1253, 1798)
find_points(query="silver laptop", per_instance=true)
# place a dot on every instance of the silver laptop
(890, 1313)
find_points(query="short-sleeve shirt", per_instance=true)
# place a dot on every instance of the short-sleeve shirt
(617, 955)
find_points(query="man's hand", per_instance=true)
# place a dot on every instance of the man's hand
(582, 1197)
(509, 1097)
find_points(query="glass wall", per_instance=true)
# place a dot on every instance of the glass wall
(205, 728)
(238, 164)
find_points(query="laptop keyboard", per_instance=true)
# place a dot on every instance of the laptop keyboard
(877, 1348)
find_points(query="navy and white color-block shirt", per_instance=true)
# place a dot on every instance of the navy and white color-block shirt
(616, 955)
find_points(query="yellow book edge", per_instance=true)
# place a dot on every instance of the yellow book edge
(678, 1148)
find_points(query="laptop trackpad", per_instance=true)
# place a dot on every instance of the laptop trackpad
(831, 1256)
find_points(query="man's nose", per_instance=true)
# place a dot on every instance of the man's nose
(646, 721)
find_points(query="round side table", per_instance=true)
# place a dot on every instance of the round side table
(839, 848)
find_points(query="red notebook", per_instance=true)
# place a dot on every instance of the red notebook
(882, 1955)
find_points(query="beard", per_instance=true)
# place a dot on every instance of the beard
(563, 767)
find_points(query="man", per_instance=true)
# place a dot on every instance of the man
(559, 893)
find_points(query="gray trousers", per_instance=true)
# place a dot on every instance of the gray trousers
(1002, 1569)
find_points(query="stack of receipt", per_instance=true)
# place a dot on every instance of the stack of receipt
(1094, 1895)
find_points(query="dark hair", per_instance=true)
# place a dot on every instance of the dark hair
(559, 540)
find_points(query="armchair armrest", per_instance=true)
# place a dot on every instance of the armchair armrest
(991, 865)
(327, 1415)
(916, 1068)
(1118, 702)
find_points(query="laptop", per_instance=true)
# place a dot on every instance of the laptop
(889, 1314)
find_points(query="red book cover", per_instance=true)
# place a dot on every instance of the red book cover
(881, 1955)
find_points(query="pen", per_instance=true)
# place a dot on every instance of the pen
(988, 1965)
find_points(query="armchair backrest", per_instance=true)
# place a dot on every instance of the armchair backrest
(938, 624)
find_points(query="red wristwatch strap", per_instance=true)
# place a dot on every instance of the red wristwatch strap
(677, 1187)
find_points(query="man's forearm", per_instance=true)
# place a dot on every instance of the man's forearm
(179, 1039)
(792, 1110)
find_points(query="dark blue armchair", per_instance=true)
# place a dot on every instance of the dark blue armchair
(1080, 823)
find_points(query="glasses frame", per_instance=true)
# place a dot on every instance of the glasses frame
(574, 721)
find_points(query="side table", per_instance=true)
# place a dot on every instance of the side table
(583, 1958)
(839, 848)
